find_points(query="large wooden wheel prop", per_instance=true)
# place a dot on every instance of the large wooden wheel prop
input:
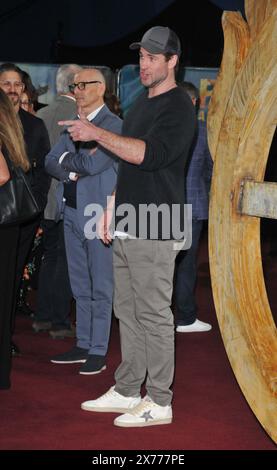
(241, 123)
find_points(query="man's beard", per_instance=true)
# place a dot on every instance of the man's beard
(157, 82)
(14, 97)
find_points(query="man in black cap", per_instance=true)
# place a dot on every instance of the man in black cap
(157, 135)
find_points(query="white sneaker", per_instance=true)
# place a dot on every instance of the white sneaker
(196, 327)
(146, 413)
(111, 401)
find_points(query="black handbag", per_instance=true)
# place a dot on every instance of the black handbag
(17, 202)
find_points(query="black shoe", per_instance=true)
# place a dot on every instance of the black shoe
(73, 356)
(93, 365)
(15, 350)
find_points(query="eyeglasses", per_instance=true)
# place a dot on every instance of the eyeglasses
(81, 85)
(16, 85)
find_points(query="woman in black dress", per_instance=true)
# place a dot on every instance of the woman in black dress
(12, 150)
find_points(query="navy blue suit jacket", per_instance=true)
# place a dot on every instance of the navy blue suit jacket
(98, 172)
(199, 175)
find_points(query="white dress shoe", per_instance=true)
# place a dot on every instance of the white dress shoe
(195, 327)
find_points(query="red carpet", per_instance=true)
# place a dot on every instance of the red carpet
(42, 409)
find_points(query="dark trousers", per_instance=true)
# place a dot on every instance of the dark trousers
(8, 250)
(27, 234)
(54, 291)
(185, 279)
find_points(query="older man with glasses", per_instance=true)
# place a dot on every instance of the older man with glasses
(87, 174)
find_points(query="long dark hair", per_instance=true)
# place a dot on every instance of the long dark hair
(11, 133)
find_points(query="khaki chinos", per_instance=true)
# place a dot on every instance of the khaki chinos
(143, 279)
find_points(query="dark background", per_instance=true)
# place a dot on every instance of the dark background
(100, 31)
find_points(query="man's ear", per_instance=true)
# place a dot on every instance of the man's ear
(173, 61)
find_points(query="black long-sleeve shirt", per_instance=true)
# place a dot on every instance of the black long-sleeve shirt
(166, 123)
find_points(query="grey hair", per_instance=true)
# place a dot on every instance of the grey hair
(65, 76)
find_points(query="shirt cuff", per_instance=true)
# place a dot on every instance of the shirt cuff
(73, 176)
(62, 157)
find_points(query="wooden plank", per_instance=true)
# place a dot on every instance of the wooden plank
(240, 137)
(233, 57)
(258, 199)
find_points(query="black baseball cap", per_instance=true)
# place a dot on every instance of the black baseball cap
(159, 40)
